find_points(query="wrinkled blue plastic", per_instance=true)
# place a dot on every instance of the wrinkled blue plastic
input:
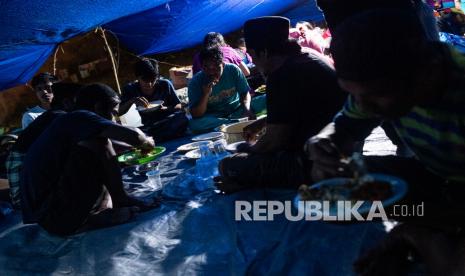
(184, 23)
(5, 209)
(193, 232)
(457, 41)
(31, 29)
(306, 12)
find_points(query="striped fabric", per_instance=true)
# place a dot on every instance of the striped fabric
(435, 134)
(13, 164)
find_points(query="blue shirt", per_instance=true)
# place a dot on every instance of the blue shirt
(46, 158)
(224, 98)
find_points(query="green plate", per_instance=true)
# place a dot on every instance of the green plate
(135, 157)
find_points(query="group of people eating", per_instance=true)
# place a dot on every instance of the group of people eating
(388, 70)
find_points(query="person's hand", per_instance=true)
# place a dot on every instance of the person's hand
(207, 88)
(243, 147)
(163, 107)
(249, 114)
(251, 131)
(147, 144)
(141, 101)
(224, 182)
(325, 155)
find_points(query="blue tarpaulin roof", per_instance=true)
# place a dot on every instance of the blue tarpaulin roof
(31, 29)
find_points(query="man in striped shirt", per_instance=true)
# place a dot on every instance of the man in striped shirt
(393, 73)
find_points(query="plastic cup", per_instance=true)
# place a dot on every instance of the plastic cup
(151, 166)
(154, 179)
(219, 148)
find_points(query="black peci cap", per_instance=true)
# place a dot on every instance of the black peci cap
(265, 31)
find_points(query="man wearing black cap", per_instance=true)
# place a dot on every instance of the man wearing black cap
(42, 85)
(302, 93)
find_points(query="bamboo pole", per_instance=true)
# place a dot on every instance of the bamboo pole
(55, 60)
(115, 71)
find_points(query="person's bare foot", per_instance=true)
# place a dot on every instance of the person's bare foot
(227, 186)
(142, 205)
(109, 217)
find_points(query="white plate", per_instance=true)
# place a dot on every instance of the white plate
(193, 154)
(233, 147)
(152, 106)
(208, 136)
(193, 146)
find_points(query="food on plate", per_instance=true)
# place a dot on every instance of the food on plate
(150, 106)
(372, 190)
(325, 193)
(138, 156)
(261, 89)
(368, 190)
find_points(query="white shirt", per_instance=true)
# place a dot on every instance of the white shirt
(30, 115)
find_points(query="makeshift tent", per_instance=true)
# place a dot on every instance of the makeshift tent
(31, 29)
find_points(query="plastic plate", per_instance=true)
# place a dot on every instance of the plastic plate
(398, 187)
(233, 147)
(152, 106)
(193, 146)
(208, 136)
(193, 154)
(135, 157)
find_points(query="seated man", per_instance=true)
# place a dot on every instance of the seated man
(219, 94)
(71, 169)
(63, 101)
(166, 123)
(302, 94)
(394, 72)
(42, 85)
(213, 39)
(241, 49)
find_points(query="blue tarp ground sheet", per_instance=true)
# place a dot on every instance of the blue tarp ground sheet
(192, 233)
(457, 41)
(31, 29)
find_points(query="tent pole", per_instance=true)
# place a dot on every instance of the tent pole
(115, 71)
(55, 60)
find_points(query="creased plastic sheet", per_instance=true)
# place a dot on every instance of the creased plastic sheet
(143, 26)
(184, 23)
(457, 41)
(193, 233)
(31, 29)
